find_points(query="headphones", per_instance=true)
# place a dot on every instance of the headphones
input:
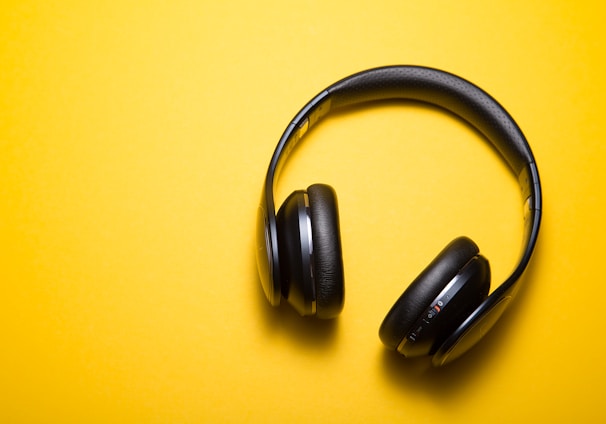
(447, 308)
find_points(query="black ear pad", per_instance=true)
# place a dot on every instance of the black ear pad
(327, 254)
(418, 297)
(310, 252)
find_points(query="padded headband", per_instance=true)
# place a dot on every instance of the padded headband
(427, 85)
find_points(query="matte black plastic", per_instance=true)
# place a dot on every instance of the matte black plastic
(468, 334)
(266, 264)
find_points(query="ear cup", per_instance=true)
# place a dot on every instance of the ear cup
(295, 249)
(310, 252)
(327, 254)
(410, 308)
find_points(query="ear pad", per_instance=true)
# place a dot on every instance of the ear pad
(414, 310)
(328, 258)
(310, 252)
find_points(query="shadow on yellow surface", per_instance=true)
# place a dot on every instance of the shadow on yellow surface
(305, 332)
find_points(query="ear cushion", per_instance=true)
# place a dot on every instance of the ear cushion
(424, 289)
(327, 255)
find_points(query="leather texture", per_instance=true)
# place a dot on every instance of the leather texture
(442, 89)
(424, 289)
(327, 254)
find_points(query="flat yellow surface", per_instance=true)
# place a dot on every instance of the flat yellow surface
(134, 139)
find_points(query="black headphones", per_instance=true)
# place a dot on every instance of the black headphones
(446, 309)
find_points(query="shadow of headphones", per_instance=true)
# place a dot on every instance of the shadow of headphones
(447, 308)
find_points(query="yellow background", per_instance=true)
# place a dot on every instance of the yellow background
(134, 139)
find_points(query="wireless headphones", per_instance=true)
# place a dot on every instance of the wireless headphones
(447, 308)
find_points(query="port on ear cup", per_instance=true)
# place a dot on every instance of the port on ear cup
(310, 252)
(414, 303)
(327, 254)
